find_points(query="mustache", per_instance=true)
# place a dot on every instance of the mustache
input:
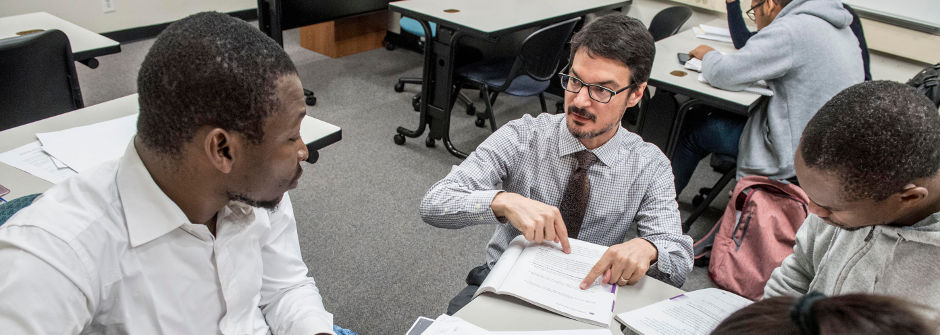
(581, 112)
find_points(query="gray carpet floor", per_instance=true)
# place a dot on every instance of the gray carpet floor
(377, 265)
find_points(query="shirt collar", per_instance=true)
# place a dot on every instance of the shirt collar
(608, 153)
(149, 212)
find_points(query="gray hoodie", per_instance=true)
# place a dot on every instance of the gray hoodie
(897, 261)
(806, 55)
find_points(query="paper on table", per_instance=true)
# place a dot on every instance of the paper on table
(598, 331)
(33, 160)
(452, 325)
(712, 33)
(696, 312)
(694, 64)
(760, 87)
(83, 148)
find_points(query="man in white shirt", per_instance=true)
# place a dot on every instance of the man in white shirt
(191, 231)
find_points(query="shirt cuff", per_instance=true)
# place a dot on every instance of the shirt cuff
(479, 205)
(314, 325)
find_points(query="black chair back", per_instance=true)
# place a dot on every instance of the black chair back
(39, 79)
(541, 52)
(668, 21)
(856, 26)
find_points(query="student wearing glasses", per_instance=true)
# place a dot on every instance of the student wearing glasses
(578, 174)
(806, 52)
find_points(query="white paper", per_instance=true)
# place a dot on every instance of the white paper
(33, 160)
(760, 87)
(694, 64)
(556, 332)
(547, 277)
(696, 312)
(712, 33)
(452, 325)
(83, 148)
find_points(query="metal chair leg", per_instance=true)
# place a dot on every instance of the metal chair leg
(542, 102)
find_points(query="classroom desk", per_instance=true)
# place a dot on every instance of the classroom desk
(485, 19)
(662, 126)
(317, 134)
(86, 44)
(505, 313)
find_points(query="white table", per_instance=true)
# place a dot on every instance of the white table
(504, 313)
(317, 134)
(86, 44)
(486, 19)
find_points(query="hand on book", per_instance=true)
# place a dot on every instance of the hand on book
(700, 51)
(535, 220)
(623, 264)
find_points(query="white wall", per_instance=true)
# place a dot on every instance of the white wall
(128, 13)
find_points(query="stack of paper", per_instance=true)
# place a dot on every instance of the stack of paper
(760, 87)
(712, 33)
(58, 155)
(693, 313)
(452, 325)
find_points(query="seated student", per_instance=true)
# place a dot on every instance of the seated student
(578, 174)
(740, 33)
(191, 231)
(869, 162)
(806, 53)
(814, 313)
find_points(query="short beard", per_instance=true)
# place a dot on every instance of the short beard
(586, 134)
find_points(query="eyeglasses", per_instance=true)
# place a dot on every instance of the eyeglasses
(598, 93)
(750, 12)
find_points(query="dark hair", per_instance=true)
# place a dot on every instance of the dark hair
(856, 314)
(208, 69)
(782, 3)
(618, 37)
(876, 137)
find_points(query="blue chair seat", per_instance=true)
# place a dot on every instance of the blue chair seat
(493, 73)
(413, 27)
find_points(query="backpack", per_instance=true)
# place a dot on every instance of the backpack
(755, 233)
(927, 81)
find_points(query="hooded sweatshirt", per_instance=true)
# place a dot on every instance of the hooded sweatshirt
(807, 54)
(882, 259)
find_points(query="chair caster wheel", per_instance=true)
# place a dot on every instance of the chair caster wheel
(471, 110)
(399, 87)
(399, 139)
(429, 142)
(697, 200)
(416, 103)
(389, 46)
(311, 100)
(480, 123)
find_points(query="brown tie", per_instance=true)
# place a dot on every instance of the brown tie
(577, 194)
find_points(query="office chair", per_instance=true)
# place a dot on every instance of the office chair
(727, 167)
(528, 74)
(39, 79)
(666, 23)
(272, 22)
(413, 27)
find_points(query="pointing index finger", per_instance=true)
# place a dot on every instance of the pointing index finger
(562, 234)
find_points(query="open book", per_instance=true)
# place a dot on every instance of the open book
(543, 275)
(696, 312)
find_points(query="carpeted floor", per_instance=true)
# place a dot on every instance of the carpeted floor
(378, 266)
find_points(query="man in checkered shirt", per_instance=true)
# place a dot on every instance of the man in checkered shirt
(515, 180)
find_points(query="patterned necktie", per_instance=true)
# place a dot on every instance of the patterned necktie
(577, 194)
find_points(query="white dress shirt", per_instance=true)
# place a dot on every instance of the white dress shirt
(107, 252)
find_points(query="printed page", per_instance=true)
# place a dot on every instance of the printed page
(452, 325)
(497, 276)
(696, 312)
(32, 159)
(547, 277)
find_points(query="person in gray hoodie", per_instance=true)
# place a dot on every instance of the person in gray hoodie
(806, 52)
(869, 161)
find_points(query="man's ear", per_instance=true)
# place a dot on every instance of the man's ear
(220, 149)
(636, 94)
(912, 194)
